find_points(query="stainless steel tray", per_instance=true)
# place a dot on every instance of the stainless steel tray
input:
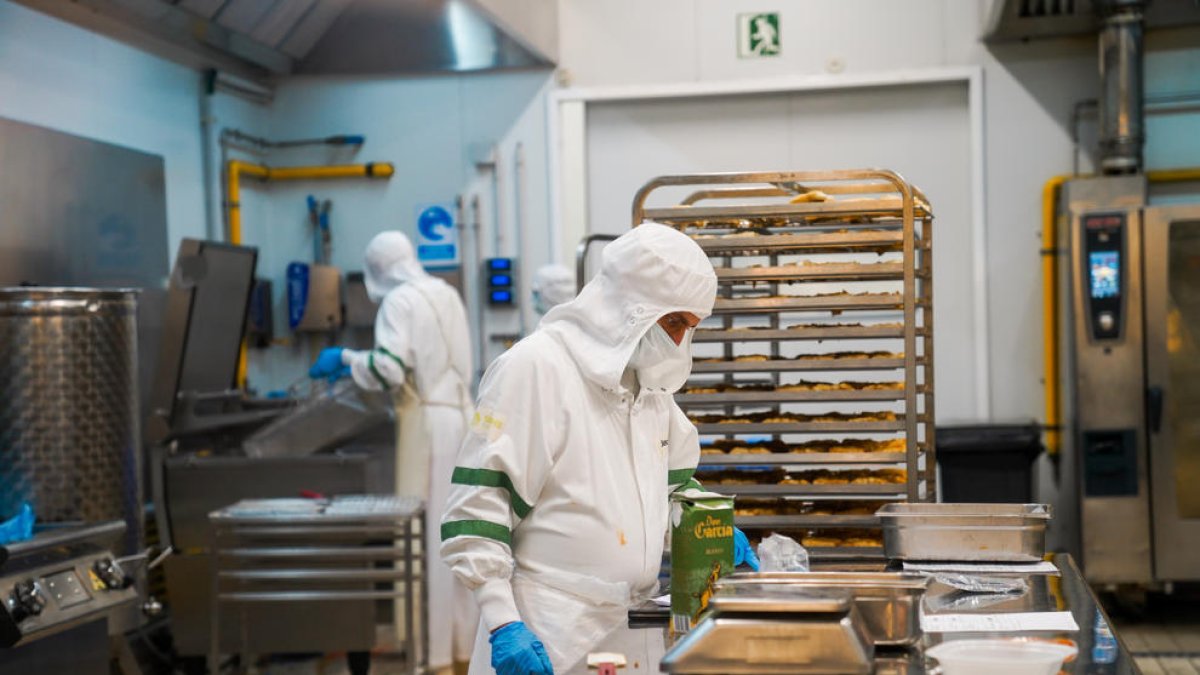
(965, 532)
(735, 646)
(889, 602)
(331, 417)
(775, 630)
(759, 598)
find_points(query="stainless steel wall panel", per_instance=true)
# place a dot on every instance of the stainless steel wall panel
(78, 212)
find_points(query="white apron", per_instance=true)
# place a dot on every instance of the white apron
(570, 613)
(427, 439)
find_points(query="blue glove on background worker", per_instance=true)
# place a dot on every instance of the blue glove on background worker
(517, 651)
(329, 365)
(743, 552)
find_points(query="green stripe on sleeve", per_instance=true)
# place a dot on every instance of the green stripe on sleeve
(375, 371)
(679, 476)
(476, 528)
(491, 478)
(399, 361)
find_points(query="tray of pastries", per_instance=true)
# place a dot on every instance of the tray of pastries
(794, 418)
(769, 392)
(843, 445)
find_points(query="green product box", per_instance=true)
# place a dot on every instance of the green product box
(701, 552)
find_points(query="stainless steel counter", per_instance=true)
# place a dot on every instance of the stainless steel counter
(645, 646)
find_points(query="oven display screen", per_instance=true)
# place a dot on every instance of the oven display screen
(1105, 274)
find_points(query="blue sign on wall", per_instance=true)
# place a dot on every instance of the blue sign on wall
(437, 237)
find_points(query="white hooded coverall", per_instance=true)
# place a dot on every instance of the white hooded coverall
(422, 355)
(553, 284)
(559, 509)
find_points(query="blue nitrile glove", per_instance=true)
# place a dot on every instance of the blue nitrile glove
(19, 527)
(742, 551)
(328, 364)
(517, 651)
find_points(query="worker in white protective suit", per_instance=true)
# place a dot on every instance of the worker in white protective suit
(553, 284)
(422, 356)
(559, 510)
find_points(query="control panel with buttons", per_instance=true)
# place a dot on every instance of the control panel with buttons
(1104, 271)
(44, 599)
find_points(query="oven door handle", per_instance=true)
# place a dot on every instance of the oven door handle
(1154, 408)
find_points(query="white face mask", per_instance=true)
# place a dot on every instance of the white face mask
(659, 362)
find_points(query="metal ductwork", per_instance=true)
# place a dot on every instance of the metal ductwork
(1122, 119)
(263, 40)
(1015, 20)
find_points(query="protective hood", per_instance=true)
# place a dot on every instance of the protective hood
(646, 273)
(554, 284)
(390, 260)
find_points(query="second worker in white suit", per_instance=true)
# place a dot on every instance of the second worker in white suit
(559, 512)
(422, 356)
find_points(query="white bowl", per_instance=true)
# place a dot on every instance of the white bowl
(1001, 657)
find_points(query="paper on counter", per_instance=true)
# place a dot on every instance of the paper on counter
(1043, 567)
(999, 623)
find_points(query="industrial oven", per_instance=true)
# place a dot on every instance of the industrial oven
(1134, 284)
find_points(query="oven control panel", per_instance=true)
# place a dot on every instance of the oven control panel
(1104, 270)
(59, 595)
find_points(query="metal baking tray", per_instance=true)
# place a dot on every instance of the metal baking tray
(799, 427)
(774, 598)
(801, 365)
(843, 271)
(965, 532)
(805, 521)
(809, 491)
(776, 631)
(786, 458)
(722, 645)
(812, 332)
(810, 303)
(884, 205)
(891, 240)
(889, 602)
(724, 398)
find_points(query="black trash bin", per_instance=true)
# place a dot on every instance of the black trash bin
(989, 463)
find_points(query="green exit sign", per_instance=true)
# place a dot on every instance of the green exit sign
(758, 35)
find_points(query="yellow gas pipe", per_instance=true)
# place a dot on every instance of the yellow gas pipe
(1050, 310)
(1050, 327)
(233, 194)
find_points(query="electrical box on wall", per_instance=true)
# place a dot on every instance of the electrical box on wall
(360, 309)
(314, 294)
(260, 325)
(500, 282)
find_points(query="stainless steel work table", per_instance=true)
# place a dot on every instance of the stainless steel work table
(645, 645)
(361, 548)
